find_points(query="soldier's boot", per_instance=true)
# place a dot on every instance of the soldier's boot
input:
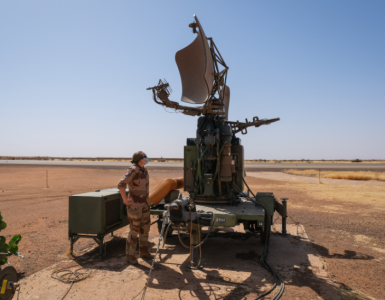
(146, 254)
(132, 259)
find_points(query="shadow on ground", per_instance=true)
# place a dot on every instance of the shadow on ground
(231, 268)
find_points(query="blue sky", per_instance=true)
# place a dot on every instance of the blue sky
(73, 76)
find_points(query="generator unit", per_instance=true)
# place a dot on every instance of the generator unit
(96, 214)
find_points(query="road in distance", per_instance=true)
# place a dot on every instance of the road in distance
(158, 165)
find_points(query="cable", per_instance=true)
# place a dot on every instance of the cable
(70, 277)
(200, 170)
(263, 259)
(211, 228)
(165, 235)
(202, 242)
(139, 293)
(296, 224)
(153, 261)
(264, 264)
(180, 239)
(193, 247)
(218, 163)
(144, 289)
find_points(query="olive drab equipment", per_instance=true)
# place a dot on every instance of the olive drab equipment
(214, 159)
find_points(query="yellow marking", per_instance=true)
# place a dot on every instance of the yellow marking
(4, 287)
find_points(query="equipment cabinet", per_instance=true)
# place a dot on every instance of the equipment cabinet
(96, 214)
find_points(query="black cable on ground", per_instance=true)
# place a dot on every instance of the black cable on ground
(71, 277)
(263, 259)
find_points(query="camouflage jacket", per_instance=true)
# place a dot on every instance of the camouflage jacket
(137, 179)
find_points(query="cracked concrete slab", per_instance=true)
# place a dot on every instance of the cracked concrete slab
(231, 270)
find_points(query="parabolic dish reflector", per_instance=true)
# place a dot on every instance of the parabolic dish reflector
(195, 66)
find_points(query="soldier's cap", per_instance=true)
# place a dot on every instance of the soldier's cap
(137, 157)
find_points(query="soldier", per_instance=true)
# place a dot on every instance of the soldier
(138, 206)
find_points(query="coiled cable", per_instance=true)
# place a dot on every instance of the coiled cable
(69, 276)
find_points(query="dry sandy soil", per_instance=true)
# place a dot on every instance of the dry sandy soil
(344, 224)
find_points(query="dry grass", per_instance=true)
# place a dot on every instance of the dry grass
(350, 175)
(367, 195)
(307, 161)
(364, 194)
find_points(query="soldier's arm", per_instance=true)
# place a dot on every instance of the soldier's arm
(122, 191)
(127, 177)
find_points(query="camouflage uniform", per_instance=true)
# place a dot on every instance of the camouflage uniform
(138, 212)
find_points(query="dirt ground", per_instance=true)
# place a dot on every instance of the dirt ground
(348, 236)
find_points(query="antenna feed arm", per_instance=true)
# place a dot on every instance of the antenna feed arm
(242, 126)
(160, 95)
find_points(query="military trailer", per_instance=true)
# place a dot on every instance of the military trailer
(214, 174)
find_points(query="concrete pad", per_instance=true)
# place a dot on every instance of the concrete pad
(231, 270)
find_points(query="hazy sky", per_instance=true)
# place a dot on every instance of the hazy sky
(73, 76)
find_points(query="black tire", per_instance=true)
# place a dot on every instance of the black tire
(8, 273)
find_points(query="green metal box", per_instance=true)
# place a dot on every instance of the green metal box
(96, 213)
(268, 200)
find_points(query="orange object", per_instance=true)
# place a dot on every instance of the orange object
(164, 188)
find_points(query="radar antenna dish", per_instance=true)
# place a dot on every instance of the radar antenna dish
(195, 66)
(203, 73)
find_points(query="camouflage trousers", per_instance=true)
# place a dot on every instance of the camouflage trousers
(139, 225)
